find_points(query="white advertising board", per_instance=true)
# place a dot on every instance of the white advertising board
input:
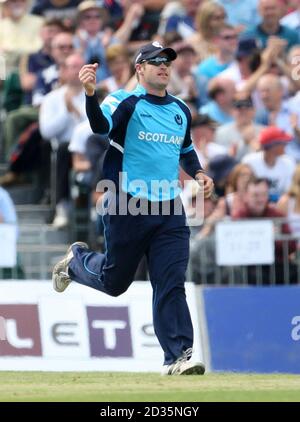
(82, 329)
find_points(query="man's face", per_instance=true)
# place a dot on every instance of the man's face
(155, 74)
(257, 197)
(185, 61)
(269, 93)
(227, 40)
(91, 20)
(61, 47)
(244, 114)
(72, 66)
(270, 10)
(17, 8)
(48, 32)
(202, 135)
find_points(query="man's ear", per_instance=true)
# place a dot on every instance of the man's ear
(138, 68)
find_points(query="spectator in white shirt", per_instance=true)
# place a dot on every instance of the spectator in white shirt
(61, 111)
(292, 20)
(271, 163)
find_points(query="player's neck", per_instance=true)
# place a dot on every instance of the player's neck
(154, 90)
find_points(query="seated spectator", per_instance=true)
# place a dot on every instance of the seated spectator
(270, 26)
(246, 64)
(120, 68)
(279, 112)
(64, 10)
(226, 44)
(271, 163)
(289, 204)
(220, 107)
(233, 200)
(60, 112)
(256, 205)
(140, 22)
(18, 121)
(210, 19)
(19, 33)
(202, 130)
(48, 79)
(240, 136)
(92, 38)
(275, 110)
(203, 133)
(246, 55)
(182, 83)
(179, 17)
(32, 64)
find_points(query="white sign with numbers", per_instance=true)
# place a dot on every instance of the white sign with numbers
(245, 242)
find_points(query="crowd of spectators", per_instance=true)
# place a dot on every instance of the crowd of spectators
(238, 69)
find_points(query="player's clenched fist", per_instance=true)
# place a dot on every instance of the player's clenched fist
(87, 76)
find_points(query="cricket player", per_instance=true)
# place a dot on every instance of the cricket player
(149, 132)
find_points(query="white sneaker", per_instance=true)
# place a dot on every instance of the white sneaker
(61, 218)
(60, 276)
(182, 366)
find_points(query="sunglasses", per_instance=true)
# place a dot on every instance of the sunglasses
(157, 61)
(89, 17)
(64, 46)
(242, 105)
(229, 37)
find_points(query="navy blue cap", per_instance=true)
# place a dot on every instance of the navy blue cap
(246, 46)
(220, 166)
(152, 50)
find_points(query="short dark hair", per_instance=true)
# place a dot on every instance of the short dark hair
(55, 22)
(258, 180)
(215, 90)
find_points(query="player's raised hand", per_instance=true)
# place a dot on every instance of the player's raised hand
(87, 76)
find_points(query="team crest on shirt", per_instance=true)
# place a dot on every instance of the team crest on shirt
(178, 119)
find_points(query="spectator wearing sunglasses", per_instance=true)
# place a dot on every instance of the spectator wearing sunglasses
(92, 37)
(226, 42)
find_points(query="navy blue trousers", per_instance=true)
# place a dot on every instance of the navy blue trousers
(165, 241)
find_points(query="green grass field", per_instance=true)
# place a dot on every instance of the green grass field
(130, 387)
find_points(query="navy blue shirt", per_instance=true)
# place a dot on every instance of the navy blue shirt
(35, 64)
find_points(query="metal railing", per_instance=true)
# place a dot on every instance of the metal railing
(39, 248)
(203, 267)
(37, 252)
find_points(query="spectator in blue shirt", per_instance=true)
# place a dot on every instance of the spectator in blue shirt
(226, 44)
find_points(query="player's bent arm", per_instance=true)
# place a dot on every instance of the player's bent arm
(98, 122)
(190, 163)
